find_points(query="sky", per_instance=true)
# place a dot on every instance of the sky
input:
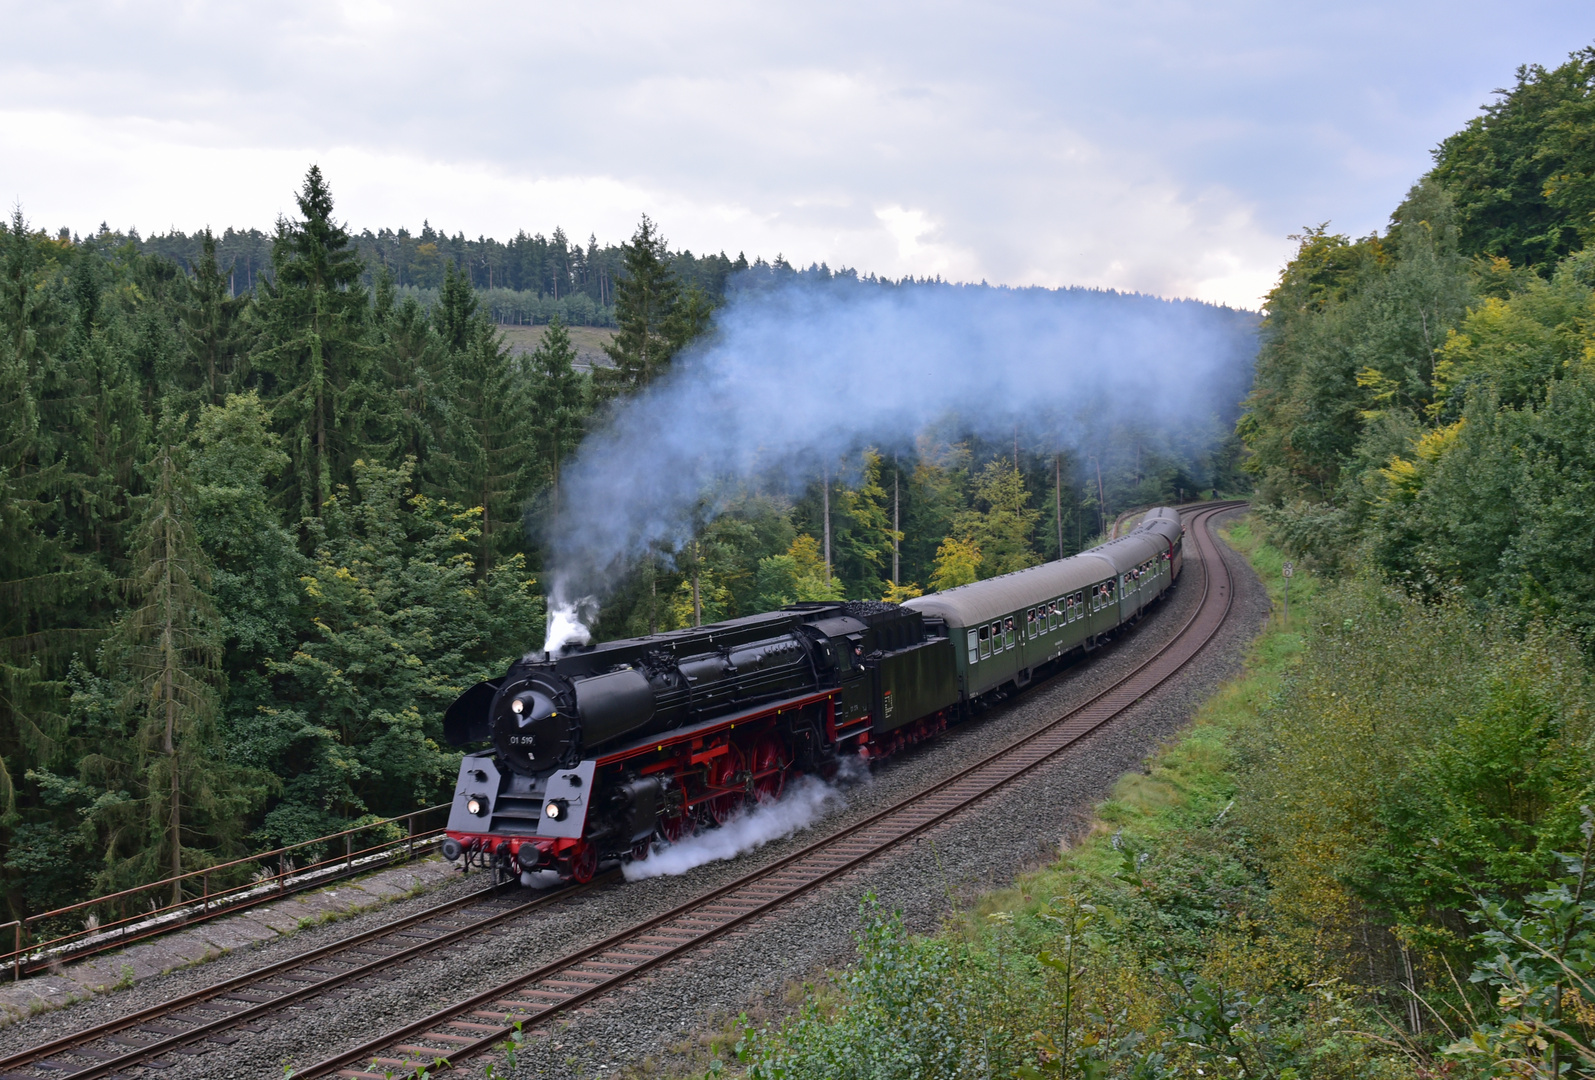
(1145, 145)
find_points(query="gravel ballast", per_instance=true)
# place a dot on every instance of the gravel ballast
(982, 848)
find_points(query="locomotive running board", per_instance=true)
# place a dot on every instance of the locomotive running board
(677, 736)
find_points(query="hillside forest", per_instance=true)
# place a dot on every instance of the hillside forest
(1372, 855)
(268, 504)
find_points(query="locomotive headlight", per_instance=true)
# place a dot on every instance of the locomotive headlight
(476, 805)
(517, 706)
(557, 809)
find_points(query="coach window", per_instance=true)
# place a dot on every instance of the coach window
(1007, 632)
(974, 646)
(1030, 624)
(985, 642)
(996, 636)
(1052, 615)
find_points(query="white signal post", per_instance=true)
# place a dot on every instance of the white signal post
(1288, 569)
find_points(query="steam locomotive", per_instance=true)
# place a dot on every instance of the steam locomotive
(600, 752)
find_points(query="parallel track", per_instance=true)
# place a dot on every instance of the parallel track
(484, 1021)
(247, 1001)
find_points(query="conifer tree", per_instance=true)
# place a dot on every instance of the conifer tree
(456, 310)
(656, 318)
(559, 402)
(421, 379)
(311, 353)
(167, 652)
(495, 448)
(211, 326)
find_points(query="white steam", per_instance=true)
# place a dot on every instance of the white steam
(568, 622)
(794, 376)
(804, 803)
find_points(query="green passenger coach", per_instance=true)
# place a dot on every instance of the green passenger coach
(1004, 628)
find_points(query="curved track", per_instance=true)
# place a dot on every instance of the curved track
(466, 1028)
(484, 1021)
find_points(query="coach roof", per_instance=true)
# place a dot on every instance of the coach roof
(983, 601)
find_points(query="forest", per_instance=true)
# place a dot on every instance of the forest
(526, 280)
(1372, 854)
(268, 503)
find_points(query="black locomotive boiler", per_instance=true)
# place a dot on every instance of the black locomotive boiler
(600, 751)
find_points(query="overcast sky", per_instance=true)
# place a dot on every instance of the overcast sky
(1155, 146)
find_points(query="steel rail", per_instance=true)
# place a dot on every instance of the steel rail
(530, 999)
(26, 959)
(104, 1062)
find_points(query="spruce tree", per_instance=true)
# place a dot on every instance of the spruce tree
(311, 353)
(655, 318)
(211, 326)
(166, 652)
(494, 448)
(558, 395)
(421, 380)
(456, 310)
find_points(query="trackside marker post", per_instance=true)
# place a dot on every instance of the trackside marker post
(1288, 569)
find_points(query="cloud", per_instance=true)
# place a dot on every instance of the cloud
(1159, 146)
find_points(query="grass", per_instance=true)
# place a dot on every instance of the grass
(1186, 783)
(588, 340)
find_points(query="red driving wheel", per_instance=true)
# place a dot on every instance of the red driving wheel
(723, 772)
(583, 862)
(672, 827)
(769, 754)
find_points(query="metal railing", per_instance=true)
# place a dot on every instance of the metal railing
(120, 918)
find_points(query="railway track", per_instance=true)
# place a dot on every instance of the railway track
(484, 1021)
(253, 1001)
(248, 1002)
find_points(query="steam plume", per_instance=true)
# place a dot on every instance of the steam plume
(805, 801)
(797, 375)
(568, 622)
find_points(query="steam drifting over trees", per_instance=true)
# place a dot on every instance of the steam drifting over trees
(268, 502)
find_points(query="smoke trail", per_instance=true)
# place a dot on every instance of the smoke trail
(805, 801)
(795, 375)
